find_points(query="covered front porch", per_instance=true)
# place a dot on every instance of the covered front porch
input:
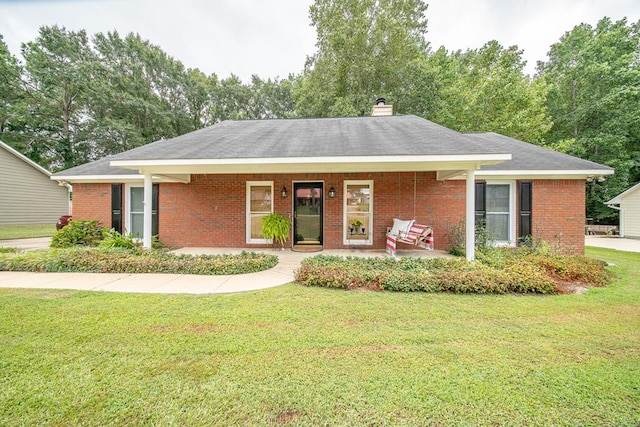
(398, 194)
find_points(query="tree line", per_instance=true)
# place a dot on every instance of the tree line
(74, 98)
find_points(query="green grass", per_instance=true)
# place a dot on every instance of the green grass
(311, 356)
(9, 232)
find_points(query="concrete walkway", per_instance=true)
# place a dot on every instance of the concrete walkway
(282, 273)
(613, 242)
(26, 244)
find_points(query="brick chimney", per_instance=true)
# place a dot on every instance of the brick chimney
(381, 108)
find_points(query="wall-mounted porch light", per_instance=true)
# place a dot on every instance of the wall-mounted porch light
(284, 192)
(592, 178)
(332, 193)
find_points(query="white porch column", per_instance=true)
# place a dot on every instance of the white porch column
(148, 205)
(470, 241)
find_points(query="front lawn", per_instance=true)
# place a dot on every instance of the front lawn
(10, 232)
(295, 355)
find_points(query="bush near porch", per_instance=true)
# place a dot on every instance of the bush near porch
(498, 271)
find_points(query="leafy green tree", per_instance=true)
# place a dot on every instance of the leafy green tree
(56, 84)
(262, 99)
(10, 98)
(231, 100)
(141, 95)
(594, 99)
(366, 49)
(198, 91)
(486, 90)
(273, 98)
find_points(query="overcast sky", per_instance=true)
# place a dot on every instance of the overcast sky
(272, 38)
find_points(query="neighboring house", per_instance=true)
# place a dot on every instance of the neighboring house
(212, 187)
(27, 194)
(628, 203)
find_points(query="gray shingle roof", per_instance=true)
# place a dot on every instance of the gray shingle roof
(337, 137)
(332, 137)
(98, 167)
(526, 156)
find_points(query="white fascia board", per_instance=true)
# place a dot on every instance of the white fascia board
(544, 174)
(482, 159)
(97, 179)
(526, 174)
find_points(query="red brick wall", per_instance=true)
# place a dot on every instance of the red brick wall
(211, 210)
(559, 213)
(92, 201)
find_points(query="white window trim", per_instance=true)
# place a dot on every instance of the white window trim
(248, 210)
(345, 235)
(512, 211)
(126, 211)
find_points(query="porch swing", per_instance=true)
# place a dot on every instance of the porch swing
(409, 232)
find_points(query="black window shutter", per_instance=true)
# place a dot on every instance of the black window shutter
(154, 209)
(525, 209)
(481, 202)
(116, 207)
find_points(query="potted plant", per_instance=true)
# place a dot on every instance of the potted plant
(276, 227)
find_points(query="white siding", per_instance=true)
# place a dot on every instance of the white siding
(630, 205)
(27, 195)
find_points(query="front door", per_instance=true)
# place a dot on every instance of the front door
(307, 218)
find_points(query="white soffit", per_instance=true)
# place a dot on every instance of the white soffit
(313, 164)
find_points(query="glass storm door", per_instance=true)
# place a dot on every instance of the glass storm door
(307, 218)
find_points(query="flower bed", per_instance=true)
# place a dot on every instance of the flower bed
(134, 260)
(503, 272)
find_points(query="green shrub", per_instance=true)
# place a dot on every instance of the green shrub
(573, 268)
(78, 233)
(135, 260)
(113, 239)
(496, 271)
(4, 250)
(456, 233)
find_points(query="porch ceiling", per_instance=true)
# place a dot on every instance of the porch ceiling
(313, 164)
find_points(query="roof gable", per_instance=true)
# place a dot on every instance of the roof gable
(616, 200)
(24, 158)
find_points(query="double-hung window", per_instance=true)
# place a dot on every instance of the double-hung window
(495, 207)
(358, 212)
(259, 205)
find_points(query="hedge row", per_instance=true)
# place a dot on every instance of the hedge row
(97, 260)
(530, 274)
